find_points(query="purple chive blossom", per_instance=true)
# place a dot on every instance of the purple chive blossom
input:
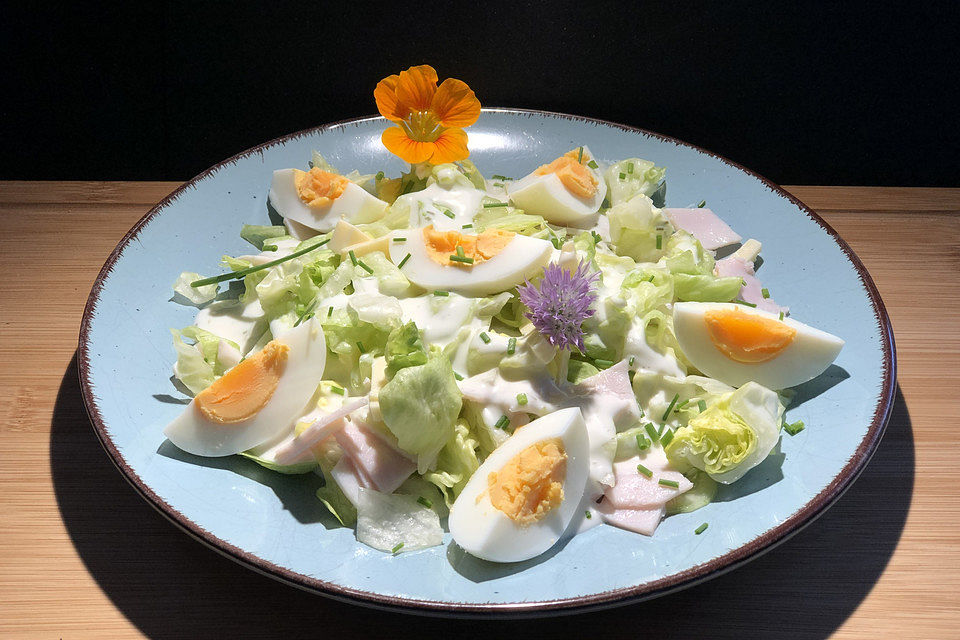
(560, 304)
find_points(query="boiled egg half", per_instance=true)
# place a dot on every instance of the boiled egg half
(257, 400)
(736, 344)
(523, 497)
(567, 191)
(473, 264)
(318, 199)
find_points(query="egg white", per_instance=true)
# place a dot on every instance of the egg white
(484, 531)
(521, 258)
(546, 196)
(354, 204)
(806, 357)
(303, 371)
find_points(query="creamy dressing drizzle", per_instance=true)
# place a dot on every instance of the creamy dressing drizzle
(428, 206)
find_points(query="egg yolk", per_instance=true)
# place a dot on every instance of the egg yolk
(573, 173)
(317, 189)
(530, 485)
(244, 390)
(746, 337)
(441, 245)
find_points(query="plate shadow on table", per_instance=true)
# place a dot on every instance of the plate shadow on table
(169, 586)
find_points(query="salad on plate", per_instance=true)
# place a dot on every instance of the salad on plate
(512, 359)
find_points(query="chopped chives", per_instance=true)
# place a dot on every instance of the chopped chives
(494, 205)
(651, 431)
(269, 247)
(765, 292)
(745, 303)
(484, 337)
(363, 265)
(337, 390)
(642, 469)
(498, 184)
(440, 292)
(353, 257)
(629, 167)
(511, 346)
(682, 404)
(449, 214)
(603, 364)
(793, 429)
(673, 484)
(701, 528)
(666, 414)
(457, 376)
(666, 438)
(236, 275)
(701, 204)
(469, 225)
(460, 251)
(521, 399)
(660, 430)
(580, 156)
(650, 279)
(642, 443)
(499, 177)
(702, 405)
(379, 175)
(404, 261)
(781, 315)
(502, 423)
(593, 164)
(361, 347)
(397, 548)
(659, 241)
(632, 359)
(596, 237)
(461, 259)
(399, 239)
(329, 311)
(623, 176)
(425, 502)
(587, 515)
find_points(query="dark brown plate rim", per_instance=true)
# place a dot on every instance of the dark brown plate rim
(717, 566)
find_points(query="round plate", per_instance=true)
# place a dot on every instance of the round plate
(274, 524)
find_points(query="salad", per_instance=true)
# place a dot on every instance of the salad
(512, 359)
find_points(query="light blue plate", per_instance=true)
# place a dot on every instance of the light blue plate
(274, 524)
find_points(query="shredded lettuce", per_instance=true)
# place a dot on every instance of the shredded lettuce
(255, 234)
(202, 362)
(509, 219)
(196, 295)
(405, 348)
(706, 288)
(456, 463)
(390, 280)
(578, 370)
(396, 522)
(420, 406)
(635, 226)
(703, 491)
(732, 436)
(630, 177)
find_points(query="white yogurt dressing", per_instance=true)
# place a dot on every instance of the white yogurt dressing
(429, 207)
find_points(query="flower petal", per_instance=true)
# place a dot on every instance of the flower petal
(416, 86)
(450, 146)
(396, 141)
(386, 96)
(455, 104)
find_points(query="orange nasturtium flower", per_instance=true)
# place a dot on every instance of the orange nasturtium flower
(430, 118)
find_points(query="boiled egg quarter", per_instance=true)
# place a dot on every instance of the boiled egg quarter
(318, 199)
(736, 344)
(567, 191)
(258, 399)
(522, 498)
(492, 261)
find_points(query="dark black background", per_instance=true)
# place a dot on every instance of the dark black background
(828, 93)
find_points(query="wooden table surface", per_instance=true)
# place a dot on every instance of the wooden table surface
(82, 555)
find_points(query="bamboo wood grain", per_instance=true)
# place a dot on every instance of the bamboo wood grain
(81, 555)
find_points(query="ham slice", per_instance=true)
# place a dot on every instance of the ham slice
(740, 265)
(704, 225)
(318, 432)
(643, 521)
(634, 490)
(378, 465)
